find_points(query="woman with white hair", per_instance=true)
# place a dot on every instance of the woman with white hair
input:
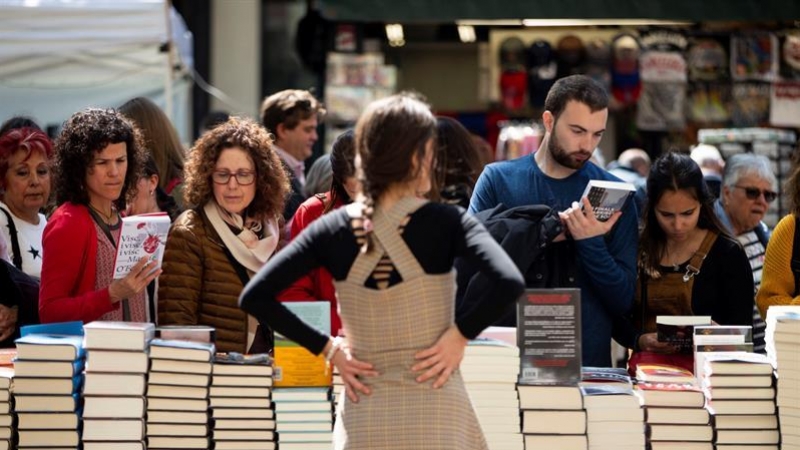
(748, 188)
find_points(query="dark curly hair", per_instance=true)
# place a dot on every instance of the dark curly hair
(82, 137)
(272, 183)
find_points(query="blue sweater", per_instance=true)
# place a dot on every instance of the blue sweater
(606, 266)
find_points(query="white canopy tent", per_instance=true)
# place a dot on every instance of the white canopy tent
(60, 56)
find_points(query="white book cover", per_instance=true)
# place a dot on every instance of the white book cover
(141, 235)
(607, 197)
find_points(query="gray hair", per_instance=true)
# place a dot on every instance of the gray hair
(743, 164)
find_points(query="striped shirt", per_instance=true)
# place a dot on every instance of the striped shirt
(755, 253)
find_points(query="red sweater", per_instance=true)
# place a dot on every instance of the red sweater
(317, 284)
(68, 273)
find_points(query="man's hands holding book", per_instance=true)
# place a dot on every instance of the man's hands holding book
(139, 277)
(582, 223)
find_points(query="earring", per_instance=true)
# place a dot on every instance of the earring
(151, 192)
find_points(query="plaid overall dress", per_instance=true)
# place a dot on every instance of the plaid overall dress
(386, 328)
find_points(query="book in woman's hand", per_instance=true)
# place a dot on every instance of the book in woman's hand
(141, 235)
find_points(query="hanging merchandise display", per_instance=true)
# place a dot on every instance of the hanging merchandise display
(570, 54)
(513, 78)
(784, 105)
(754, 56)
(625, 82)
(709, 92)
(663, 71)
(598, 62)
(750, 104)
(542, 69)
(518, 139)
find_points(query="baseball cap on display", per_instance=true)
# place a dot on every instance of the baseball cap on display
(541, 71)
(598, 62)
(512, 54)
(625, 83)
(570, 54)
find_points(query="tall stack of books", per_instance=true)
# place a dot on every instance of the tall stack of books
(114, 400)
(47, 385)
(240, 402)
(674, 408)
(741, 397)
(302, 394)
(550, 369)
(489, 369)
(6, 418)
(783, 333)
(614, 416)
(177, 394)
(304, 418)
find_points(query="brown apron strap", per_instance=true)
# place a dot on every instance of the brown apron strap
(693, 268)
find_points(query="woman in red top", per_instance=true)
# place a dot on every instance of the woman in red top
(98, 158)
(318, 284)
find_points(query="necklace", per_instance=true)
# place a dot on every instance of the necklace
(106, 217)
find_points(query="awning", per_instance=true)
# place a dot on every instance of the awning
(439, 11)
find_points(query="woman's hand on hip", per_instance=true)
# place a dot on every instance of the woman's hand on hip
(350, 369)
(441, 359)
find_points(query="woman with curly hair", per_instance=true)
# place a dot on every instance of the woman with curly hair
(236, 179)
(98, 157)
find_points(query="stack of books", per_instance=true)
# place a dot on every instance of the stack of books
(114, 399)
(715, 339)
(240, 402)
(489, 370)
(549, 340)
(304, 418)
(674, 408)
(6, 418)
(741, 397)
(553, 417)
(177, 394)
(614, 416)
(783, 333)
(47, 384)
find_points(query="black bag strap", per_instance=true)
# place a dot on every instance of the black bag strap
(12, 228)
(796, 256)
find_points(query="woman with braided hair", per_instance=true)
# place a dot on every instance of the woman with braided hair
(391, 257)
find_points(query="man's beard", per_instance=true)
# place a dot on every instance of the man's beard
(560, 155)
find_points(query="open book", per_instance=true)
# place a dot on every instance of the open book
(141, 235)
(607, 197)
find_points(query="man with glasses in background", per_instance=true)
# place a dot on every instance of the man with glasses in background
(748, 188)
(292, 116)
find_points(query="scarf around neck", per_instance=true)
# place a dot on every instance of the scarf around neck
(245, 246)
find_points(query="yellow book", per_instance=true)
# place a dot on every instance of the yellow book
(294, 365)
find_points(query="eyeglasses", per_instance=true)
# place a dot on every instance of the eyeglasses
(753, 193)
(243, 178)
